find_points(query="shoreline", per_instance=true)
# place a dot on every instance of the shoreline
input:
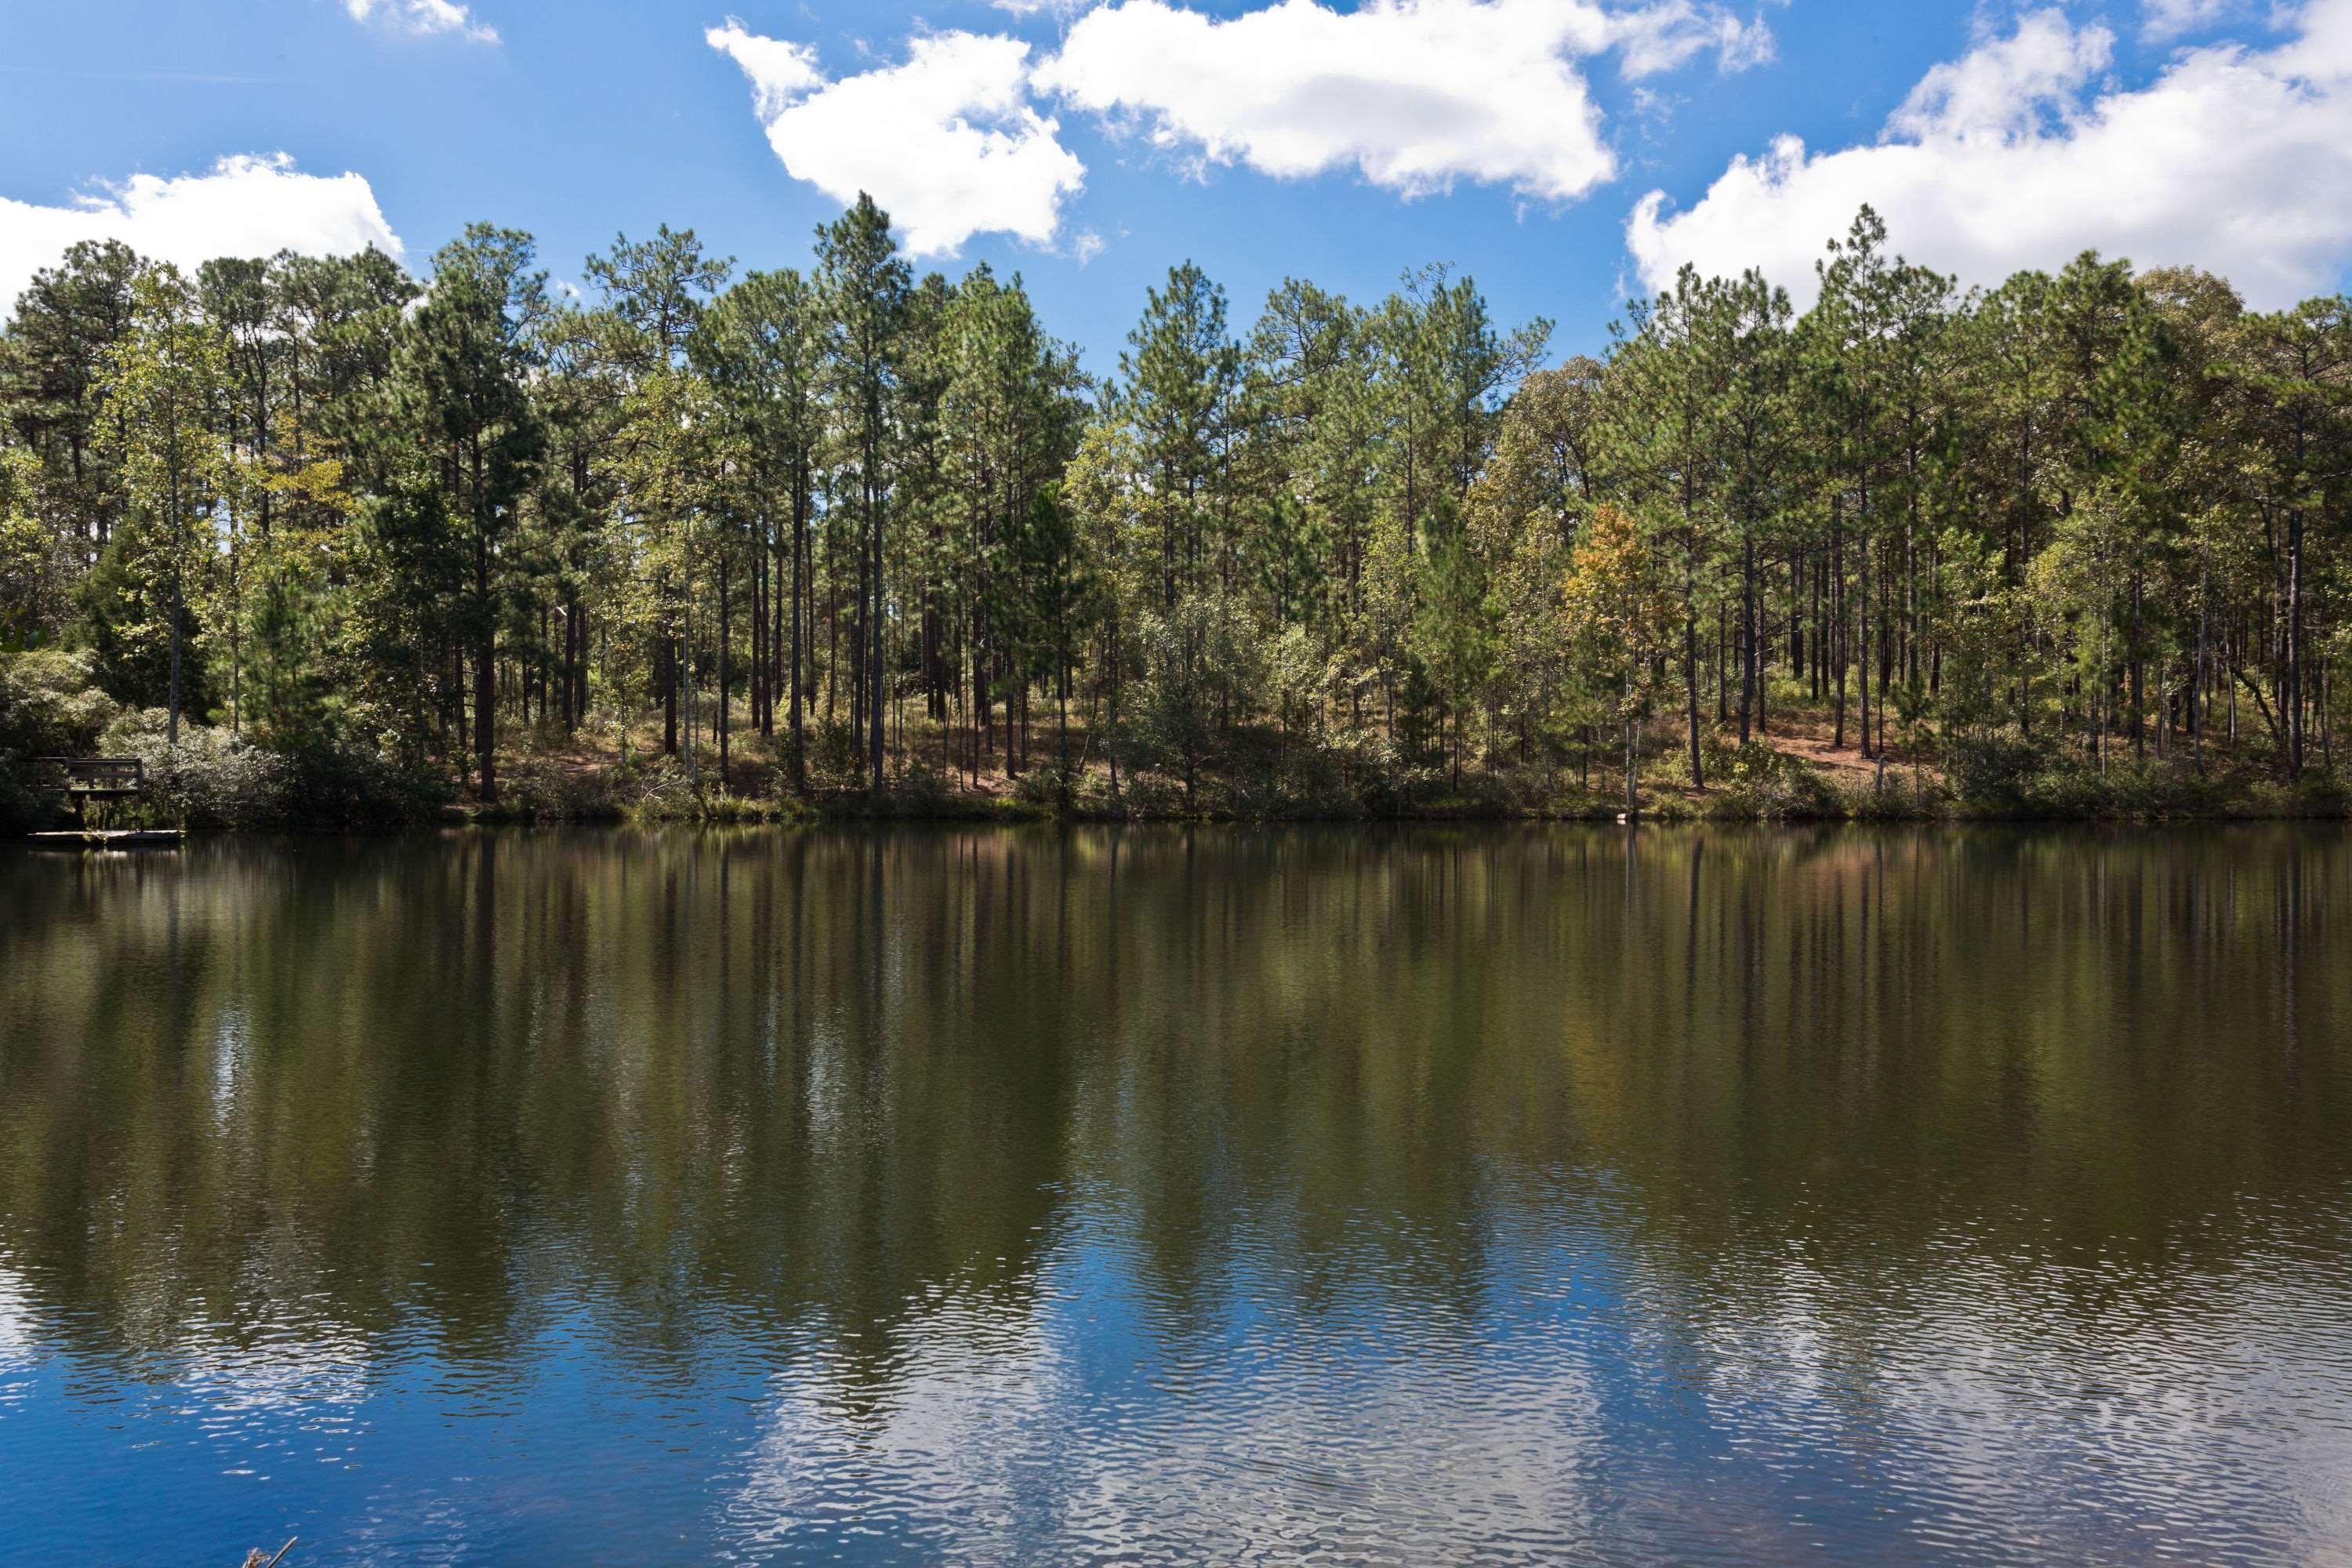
(1794, 776)
(733, 814)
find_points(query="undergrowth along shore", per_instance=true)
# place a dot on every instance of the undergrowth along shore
(215, 779)
(2142, 800)
(210, 787)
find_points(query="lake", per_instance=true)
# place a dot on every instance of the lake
(1164, 1195)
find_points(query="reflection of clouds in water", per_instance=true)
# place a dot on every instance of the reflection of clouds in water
(2020, 1411)
(943, 1446)
(280, 1407)
(1036, 1429)
(16, 1326)
(232, 1044)
(287, 1376)
(1999, 1411)
(402, 1523)
(1406, 1457)
(288, 1388)
(1430, 1197)
(19, 1340)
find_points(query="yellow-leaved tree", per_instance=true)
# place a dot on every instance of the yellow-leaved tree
(1620, 612)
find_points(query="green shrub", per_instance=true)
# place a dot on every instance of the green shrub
(23, 809)
(835, 761)
(1992, 771)
(1893, 795)
(540, 789)
(918, 784)
(1756, 782)
(1146, 796)
(50, 704)
(1050, 788)
(656, 791)
(352, 784)
(211, 779)
(214, 778)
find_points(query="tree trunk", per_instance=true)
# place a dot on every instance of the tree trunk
(1690, 658)
(874, 568)
(668, 666)
(799, 543)
(2291, 686)
(2139, 693)
(1862, 621)
(725, 628)
(1750, 675)
(1633, 800)
(485, 676)
(172, 725)
(1839, 638)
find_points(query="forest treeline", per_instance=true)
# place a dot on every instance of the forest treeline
(317, 526)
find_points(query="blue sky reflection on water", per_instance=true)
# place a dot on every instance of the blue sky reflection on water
(1568, 1402)
(1429, 1196)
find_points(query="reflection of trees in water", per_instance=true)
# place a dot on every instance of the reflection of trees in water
(775, 1081)
(469, 1069)
(1885, 1031)
(1935, 1105)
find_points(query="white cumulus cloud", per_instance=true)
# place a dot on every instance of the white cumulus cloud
(2021, 154)
(1411, 94)
(949, 142)
(1668, 35)
(2006, 88)
(246, 205)
(425, 17)
(2164, 19)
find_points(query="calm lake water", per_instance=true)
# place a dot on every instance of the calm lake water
(1164, 1196)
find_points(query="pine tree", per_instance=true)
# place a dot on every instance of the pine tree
(866, 287)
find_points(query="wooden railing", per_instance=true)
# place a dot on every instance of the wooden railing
(92, 778)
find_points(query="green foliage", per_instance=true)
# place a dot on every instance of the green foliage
(211, 778)
(49, 706)
(2057, 545)
(835, 759)
(52, 703)
(205, 778)
(1995, 771)
(1203, 669)
(339, 780)
(1755, 783)
(125, 626)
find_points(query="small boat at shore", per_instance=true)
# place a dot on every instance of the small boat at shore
(119, 838)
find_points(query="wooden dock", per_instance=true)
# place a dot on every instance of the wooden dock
(81, 779)
(120, 839)
(78, 781)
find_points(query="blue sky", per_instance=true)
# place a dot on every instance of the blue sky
(1519, 139)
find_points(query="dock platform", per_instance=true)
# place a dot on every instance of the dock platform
(123, 838)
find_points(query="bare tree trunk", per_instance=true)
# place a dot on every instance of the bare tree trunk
(2197, 686)
(724, 629)
(1690, 656)
(2138, 695)
(1862, 626)
(670, 694)
(874, 567)
(485, 676)
(2291, 686)
(172, 725)
(799, 544)
(1751, 688)
(1839, 632)
(1633, 800)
